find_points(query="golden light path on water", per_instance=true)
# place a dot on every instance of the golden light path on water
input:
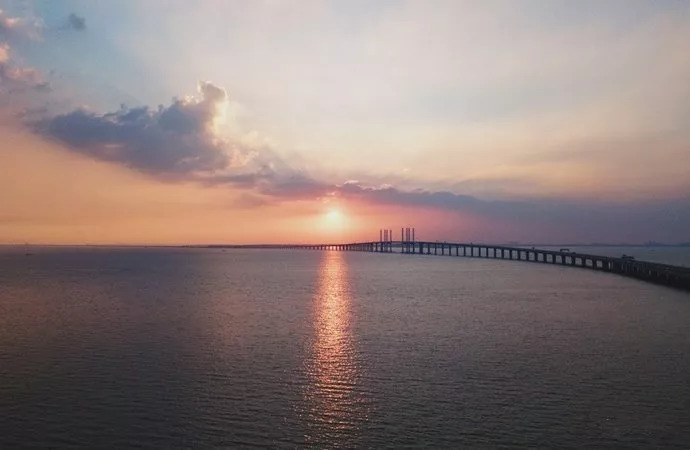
(336, 408)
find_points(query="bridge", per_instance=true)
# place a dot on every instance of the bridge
(673, 276)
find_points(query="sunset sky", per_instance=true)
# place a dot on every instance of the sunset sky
(178, 122)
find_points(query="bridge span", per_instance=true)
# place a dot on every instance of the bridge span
(674, 276)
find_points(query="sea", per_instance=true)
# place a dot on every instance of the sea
(107, 347)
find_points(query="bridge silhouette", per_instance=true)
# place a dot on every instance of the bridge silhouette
(665, 274)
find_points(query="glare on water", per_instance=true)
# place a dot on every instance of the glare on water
(333, 367)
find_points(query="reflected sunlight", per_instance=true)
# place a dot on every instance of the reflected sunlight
(336, 407)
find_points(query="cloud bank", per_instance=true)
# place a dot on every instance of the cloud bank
(181, 142)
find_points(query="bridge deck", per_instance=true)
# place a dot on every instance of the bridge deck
(674, 276)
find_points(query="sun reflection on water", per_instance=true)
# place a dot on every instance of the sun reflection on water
(336, 407)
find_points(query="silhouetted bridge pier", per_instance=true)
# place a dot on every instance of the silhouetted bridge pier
(674, 276)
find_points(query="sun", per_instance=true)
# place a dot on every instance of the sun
(334, 215)
(334, 219)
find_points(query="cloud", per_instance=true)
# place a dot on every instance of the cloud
(529, 220)
(179, 142)
(176, 141)
(19, 27)
(16, 78)
(8, 24)
(76, 22)
(541, 220)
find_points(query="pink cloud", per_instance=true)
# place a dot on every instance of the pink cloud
(19, 27)
(14, 78)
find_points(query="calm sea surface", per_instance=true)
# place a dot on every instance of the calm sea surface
(231, 348)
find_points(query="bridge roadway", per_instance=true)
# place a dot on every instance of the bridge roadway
(674, 276)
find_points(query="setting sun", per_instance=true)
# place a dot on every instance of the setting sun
(334, 215)
(334, 220)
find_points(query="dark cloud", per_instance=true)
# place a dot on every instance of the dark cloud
(76, 22)
(179, 141)
(176, 141)
(544, 220)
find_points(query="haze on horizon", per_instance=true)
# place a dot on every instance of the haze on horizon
(167, 122)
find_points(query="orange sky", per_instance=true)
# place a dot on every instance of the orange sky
(51, 196)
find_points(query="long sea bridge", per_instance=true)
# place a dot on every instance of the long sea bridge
(674, 276)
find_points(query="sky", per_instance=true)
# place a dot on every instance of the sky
(208, 122)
